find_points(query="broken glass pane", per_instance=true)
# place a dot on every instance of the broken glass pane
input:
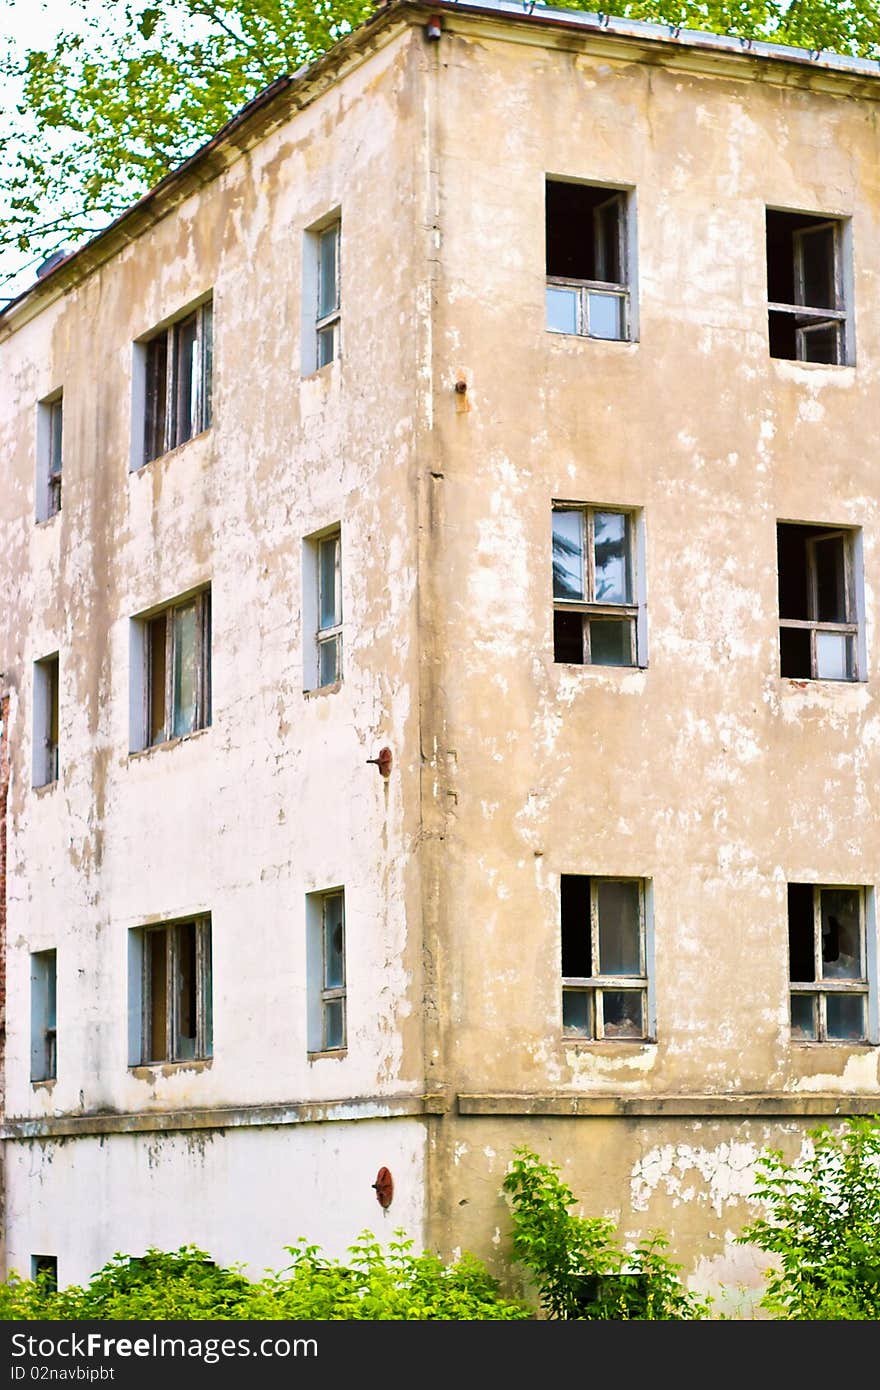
(623, 1013)
(817, 260)
(829, 557)
(568, 555)
(562, 310)
(803, 1017)
(846, 1017)
(841, 934)
(576, 1012)
(334, 958)
(568, 638)
(619, 929)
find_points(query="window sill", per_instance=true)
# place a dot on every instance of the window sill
(135, 753)
(602, 1043)
(42, 522)
(336, 1054)
(804, 682)
(322, 690)
(46, 1084)
(45, 788)
(814, 366)
(591, 338)
(149, 1071)
(318, 372)
(159, 458)
(851, 1044)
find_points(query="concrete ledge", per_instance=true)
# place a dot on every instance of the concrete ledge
(755, 1105)
(17, 1128)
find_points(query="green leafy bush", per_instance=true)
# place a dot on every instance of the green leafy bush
(579, 1269)
(187, 1285)
(823, 1224)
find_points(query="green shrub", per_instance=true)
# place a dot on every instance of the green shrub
(823, 1224)
(187, 1285)
(579, 1270)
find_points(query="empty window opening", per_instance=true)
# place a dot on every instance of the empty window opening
(45, 751)
(172, 964)
(595, 610)
(604, 958)
(44, 1270)
(818, 611)
(50, 433)
(327, 993)
(807, 313)
(175, 696)
(587, 260)
(178, 382)
(827, 963)
(44, 1050)
(322, 610)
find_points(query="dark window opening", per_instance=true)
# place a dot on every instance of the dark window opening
(44, 1270)
(807, 310)
(827, 963)
(586, 260)
(818, 628)
(179, 383)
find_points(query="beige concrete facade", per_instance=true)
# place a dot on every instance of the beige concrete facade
(701, 772)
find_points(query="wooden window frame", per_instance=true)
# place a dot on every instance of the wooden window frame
(812, 624)
(617, 289)
(164, 428)
(821, 987)
(596, 985)
(588, 607)
(202, 719)
(203, 992)
(809, 319)
(332, 634)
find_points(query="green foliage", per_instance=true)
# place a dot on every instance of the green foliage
(109, 107)
(187, 1285)
(823, 1225)
(579, 1270)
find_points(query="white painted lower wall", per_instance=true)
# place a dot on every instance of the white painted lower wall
(242, 1195)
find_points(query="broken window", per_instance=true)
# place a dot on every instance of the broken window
(44, 1270)
(588, 279)
(807, 312)
(178, 369)
(322, 609)
(174, 964)
(595, 612)
(827, 963)
(45, 751)
(177, 670)
(44, 1055)
(325, 924)
(604, 958)
(50, 420)
(818, 624)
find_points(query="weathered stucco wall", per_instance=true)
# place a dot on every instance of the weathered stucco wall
(276, 799)
(705, 773)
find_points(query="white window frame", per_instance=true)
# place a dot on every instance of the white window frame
(596, 985)
(821, 986)
(634, 610)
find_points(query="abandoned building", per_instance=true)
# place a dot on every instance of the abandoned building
(440, 663)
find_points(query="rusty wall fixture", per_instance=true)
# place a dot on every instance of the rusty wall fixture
(383, 762)
(384, 1187)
